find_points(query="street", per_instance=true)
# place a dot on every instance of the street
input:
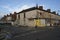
(26, 33)
(41, 35)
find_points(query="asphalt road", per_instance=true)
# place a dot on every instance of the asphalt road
(24, 33)
(39, 35)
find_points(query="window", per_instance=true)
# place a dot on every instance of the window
(24, 15)
(40, 13)
(18, 16)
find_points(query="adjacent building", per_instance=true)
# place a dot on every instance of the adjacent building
(9, 18)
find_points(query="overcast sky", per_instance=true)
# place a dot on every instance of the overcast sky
(9, 6)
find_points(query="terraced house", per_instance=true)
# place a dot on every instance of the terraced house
(9, 18)
(36, 16)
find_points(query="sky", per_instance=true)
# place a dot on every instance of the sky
(10, 6)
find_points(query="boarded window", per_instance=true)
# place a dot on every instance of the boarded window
(24, 15)
(40, 13)
(18, 16)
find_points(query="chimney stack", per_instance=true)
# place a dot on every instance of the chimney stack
(41, 7)
(7, 15)
(54, 12)
(14, 12)
(10, 14)
(48, 10)
(4, 15)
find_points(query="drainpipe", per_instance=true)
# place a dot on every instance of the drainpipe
(24, 18)
(37, 16)
(50, 21)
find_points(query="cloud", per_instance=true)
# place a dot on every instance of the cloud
(1, 15)
(17, 8)
(7, 8)
(10, 9)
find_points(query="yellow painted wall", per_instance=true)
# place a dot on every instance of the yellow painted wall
(38, 22)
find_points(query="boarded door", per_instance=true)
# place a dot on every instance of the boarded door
(39, 22)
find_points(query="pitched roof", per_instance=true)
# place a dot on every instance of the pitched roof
(33, 8)
(29, 9)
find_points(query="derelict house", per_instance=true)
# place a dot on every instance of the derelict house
(9, 19)
(37, 16)
(32, 17)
